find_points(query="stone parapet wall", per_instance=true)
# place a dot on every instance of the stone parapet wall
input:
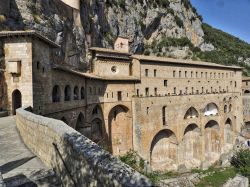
(76, 160)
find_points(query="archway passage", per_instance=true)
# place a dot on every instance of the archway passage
(96, 131)
(212, 141)
(82, 127)
(64, 120)
(191, 146)
(163, 151)
(120, 130)
(16, 101)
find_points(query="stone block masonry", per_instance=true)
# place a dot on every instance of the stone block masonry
(76, 160)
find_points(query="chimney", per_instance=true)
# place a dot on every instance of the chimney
(121, 44)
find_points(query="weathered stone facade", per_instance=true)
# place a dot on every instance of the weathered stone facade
(174, 113)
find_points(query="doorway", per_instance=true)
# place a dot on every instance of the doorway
(16, 101)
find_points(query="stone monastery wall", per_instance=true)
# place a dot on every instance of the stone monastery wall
(76, 160)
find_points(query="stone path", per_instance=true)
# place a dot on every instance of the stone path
(17, 163)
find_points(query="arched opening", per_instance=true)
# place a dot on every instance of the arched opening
(64, 120)
(82, 127)
(191, 146)
(246, 92)
(211, 109)
(225, 109)
(76, 93)
(212, 141)
(120, 130)
(56, 94)
(191, 113)
(97, 133)
(163, 151)
(16, 101)
(228, 133)
(230, 108)
(97, 110)
(67, 93)
(82, 93)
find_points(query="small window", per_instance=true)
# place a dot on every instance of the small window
(137, 92)
(247, 83)
(179, 73)
(76, 93)
(206, 74)
(173, 73)
(165, 82)
(174, 90)
(191, 74)
(147, 110)
(164, 116)
(186, 74)
(119, 95)
(90, 90)
(114, 69)
(155, 91)
(147, 91)
(82, 93)
(154, 72)
(146, 72)
(235, 84)
(201, 74)
(196, 74)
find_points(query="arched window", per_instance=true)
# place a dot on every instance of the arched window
(225, 109)
(82, 93)
(230, 108)
(211, 109)
(76, 93)
(67, 93)
(56, 94)
(191, 113)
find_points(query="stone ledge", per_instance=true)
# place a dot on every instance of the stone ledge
(76, 159)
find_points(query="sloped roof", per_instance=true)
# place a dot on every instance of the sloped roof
(181, 61)
(5, 34)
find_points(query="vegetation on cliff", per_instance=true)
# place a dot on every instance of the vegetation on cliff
(229, 50)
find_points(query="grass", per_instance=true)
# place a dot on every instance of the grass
(216, 177)
(156, 177)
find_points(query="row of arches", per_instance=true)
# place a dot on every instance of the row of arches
(77, 93)
(165, 151)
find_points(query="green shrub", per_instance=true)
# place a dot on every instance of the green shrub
(132, 159)
(241, 162)
(178, 21)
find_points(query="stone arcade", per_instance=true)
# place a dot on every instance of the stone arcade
(172, 112)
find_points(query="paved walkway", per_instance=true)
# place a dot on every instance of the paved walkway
(15, 157)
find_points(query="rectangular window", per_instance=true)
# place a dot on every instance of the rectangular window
(165, 82)
(146, 72)
(119, 95)
(201, 74)
(185, 73)
(173, 73)
(147, 91)
(191, 74)
(247, 83)
(137, 92)
(235, 84)
(206, 74)
(196, 74)
(179, 73)
(155, 91)
(174, 90)
(154, 72)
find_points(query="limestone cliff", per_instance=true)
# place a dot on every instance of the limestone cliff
(154, 27)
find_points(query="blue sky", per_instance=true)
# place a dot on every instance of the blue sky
(231, 16)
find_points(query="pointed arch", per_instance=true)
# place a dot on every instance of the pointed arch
(120, 129)
(212, 141)
(163, 151)
(67, 93)
(191, 113)
(76, 93)
(191, 146)
(228, 134)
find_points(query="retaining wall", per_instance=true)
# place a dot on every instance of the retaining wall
(76, 160)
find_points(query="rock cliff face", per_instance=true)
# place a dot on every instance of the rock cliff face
(152, 26)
